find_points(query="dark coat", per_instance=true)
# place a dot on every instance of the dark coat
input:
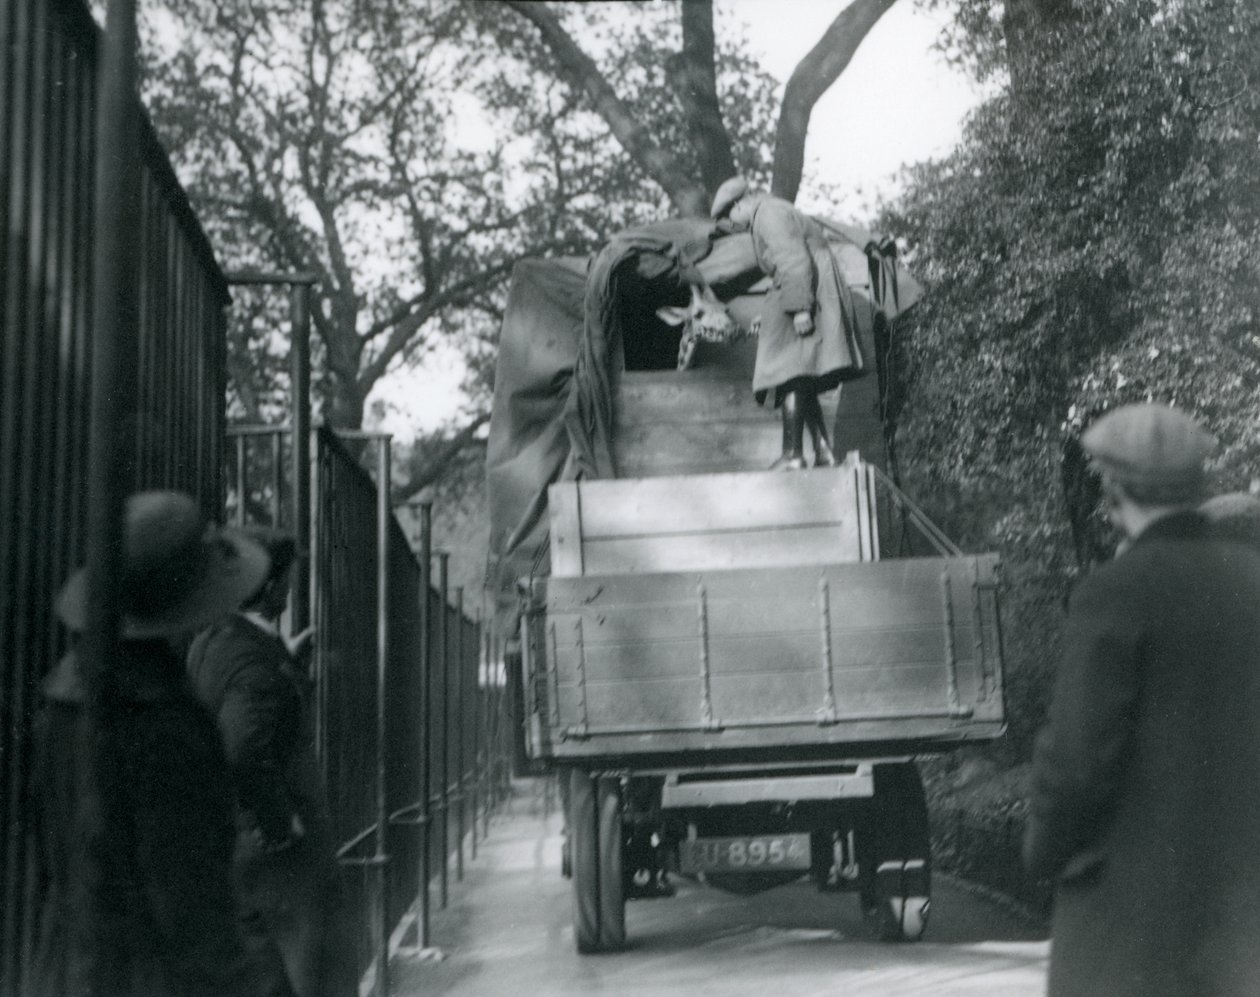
(168, 924)
(288, 885)
(1147, 778)
(793, 251)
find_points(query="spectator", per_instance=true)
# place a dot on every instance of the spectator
(1145, 780)
(256, 686)
(144, 905)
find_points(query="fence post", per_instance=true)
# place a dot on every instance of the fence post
(426, 737)
(381, 880)
(114, 347)
(300, 387)
(476, 730)
(444, 613)
(460, 669)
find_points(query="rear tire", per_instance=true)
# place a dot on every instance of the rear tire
(612, 893)
(896, 884)
(584, 855)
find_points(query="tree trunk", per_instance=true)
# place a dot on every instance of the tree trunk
(694, 78)
(810, 80)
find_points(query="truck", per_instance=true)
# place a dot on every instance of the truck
(731, 670)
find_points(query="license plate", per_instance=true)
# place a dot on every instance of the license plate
(755, 853)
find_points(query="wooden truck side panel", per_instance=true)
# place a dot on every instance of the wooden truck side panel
(835, 654)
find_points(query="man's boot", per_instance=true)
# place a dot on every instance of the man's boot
(793, 458)
(823, 454)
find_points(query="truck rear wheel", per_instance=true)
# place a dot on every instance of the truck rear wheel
(584, 858)
(896, 878)
(612, 892)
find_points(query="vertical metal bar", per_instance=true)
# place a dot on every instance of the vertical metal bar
(553, 667)
(706, 695)
(300, 379)
(240, 479)
(476, 734)
(977, 623)
(459, 733)
(276, 478)
(584, 718)
(444, 558)
(487, 735)
(827, 714)
(425, 557)
(318, 584)
(951, 663)
(380, 879)
(112, 395)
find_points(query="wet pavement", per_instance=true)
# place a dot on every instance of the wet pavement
(508, 931)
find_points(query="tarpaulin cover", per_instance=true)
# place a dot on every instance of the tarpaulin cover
(569, 326)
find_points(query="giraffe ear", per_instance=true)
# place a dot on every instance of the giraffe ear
(673, 314)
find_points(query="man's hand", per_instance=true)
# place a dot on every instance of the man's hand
(803, 323)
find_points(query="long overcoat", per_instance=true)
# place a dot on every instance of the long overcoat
(1146, 780)
(290, 894)
(792, 250)
(166, 925)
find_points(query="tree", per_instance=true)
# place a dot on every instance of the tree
(1092, 241)
(690, 171)
(324, 136)
(333, 136)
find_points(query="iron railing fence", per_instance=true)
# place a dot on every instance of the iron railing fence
(387, 726)
(49, 52)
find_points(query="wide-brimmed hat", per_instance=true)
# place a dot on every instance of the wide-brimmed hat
(179, 572)
(727, 194)
(1155, 451)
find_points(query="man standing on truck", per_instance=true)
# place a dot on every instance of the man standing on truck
(1146, 779)
(807, 338)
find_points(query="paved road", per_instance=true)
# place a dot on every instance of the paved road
(507, 931)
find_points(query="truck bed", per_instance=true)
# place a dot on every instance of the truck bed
(747, 615)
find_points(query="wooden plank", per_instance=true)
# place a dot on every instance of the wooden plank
(690, 504)
(684, 398)
(657, 450)
(564, 503)
(802, 545)
(903, 591)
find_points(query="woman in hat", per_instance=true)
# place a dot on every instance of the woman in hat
(807, 338)
(144, 905)
(256, 686)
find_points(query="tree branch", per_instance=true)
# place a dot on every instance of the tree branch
(406, 327)
(688, 196)
(810, 80)
(436, 465)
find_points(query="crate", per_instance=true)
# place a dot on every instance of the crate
(713, 521)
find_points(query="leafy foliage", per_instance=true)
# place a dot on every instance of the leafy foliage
(1093, 240)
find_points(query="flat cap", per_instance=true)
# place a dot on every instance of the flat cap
(730, 192)
(1155, 450)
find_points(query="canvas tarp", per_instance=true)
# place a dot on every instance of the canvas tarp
(563, 344)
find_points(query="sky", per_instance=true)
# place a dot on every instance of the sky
(896, 103)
